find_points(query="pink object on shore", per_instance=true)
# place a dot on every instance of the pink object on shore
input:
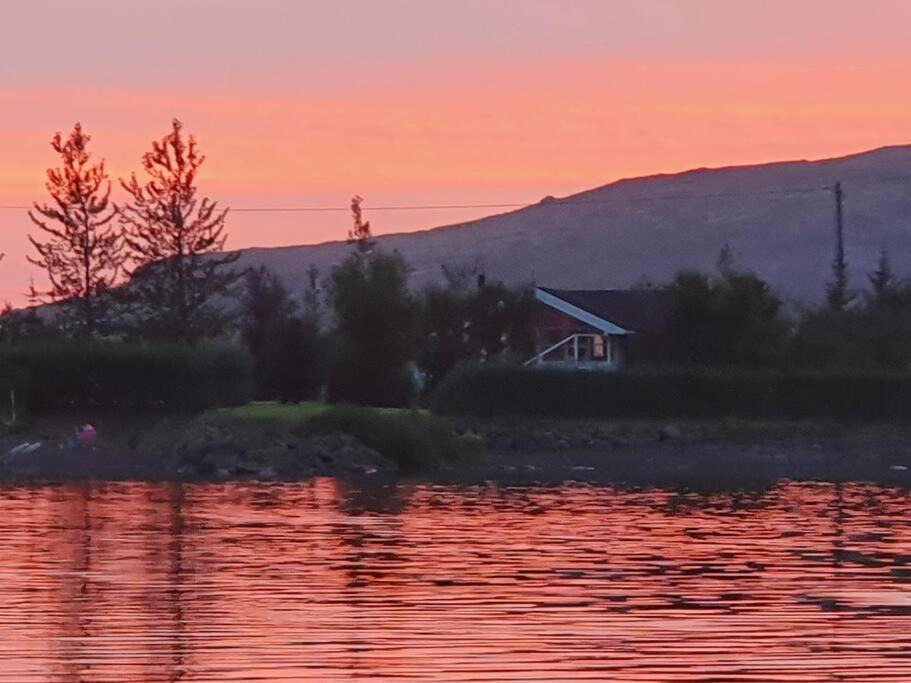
(86, 435)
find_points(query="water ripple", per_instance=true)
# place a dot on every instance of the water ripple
(324, 581)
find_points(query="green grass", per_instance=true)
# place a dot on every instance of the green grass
(292, 414)
(413, 439)
(279, 414)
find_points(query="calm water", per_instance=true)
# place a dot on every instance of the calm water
(325, 582)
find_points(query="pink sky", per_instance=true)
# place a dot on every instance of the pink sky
(300, 103)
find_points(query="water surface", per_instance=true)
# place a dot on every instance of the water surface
(323, 581)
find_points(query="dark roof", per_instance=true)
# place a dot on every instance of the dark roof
(638, 310)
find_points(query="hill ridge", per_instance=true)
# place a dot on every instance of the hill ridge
(637, 232)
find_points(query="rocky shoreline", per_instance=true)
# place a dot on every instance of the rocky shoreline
(694, 453)
(180, 450)
(691, 454)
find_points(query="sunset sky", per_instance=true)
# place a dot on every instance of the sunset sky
(302, 103)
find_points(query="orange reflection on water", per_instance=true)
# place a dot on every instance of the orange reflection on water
(321, 581)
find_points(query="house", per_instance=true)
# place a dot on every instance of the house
(600, 329)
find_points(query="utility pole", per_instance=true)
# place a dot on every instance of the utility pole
(839, 225)
(837, 289)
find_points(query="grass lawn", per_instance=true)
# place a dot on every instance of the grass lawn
(291, 414)
(283, 414)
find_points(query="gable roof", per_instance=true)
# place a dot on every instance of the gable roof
(613, 311)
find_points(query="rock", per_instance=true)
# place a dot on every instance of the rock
(332, 453)
(670, 432)
(25, 448)
(209, 461)
(220, 453)
(362, 468)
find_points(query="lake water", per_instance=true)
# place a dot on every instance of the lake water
(323, 581)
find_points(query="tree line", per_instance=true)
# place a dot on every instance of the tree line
(364, 336)
(163, 239)
(152, 268)
(732, 318)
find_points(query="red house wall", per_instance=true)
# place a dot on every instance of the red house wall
(552, 326)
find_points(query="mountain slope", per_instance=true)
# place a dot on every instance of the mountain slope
(778, 219)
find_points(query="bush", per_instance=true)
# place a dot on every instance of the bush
(489, 391)
(130, 377)
(409, 438)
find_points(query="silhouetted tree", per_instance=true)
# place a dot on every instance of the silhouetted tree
(24, 326)
(838, 295)
(313, 296)
(501, 320)
(359, 234)
(305, 358)
(374, 324)
(882, 280)
(725, 263)
(81, 253)
(458, 322)
(289, 351)
(174, 237)
(267, 309)
(733, 318)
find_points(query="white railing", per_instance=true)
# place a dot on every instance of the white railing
(574, 340)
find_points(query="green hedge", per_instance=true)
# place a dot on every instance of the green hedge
(128, 377)
(492, 390)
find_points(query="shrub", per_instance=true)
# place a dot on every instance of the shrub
(411, 439)
(491, 390)
(167, 377)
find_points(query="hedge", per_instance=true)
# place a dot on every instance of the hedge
(125, 377)
(494, 390)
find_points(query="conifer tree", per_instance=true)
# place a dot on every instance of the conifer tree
(882, 280)
(837, 293)
(175, 238)
(81, 252)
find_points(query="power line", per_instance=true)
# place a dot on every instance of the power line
(508, 205)
(403, 207)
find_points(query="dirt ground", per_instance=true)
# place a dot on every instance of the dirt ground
(688, 454)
